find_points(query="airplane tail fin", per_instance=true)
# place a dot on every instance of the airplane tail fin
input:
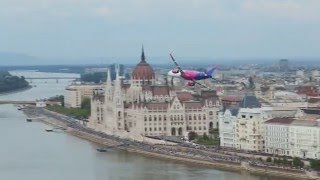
(212, 69)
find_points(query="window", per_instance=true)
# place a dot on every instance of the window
(251, 117)
(190, 117)
(159, 118)
(159, 128)
(145, 118)
(199, 127)
(164, 117)
(204, 117)
(199, 117)
(194, 117)
(155, 129)
(210, 113)
(165, 128)
(150, 118)
(243, 116)
(150, 129)
(155, 118)
(145, 129)
(194, 128)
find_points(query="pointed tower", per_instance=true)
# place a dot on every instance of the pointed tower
(143, 58)
(118, 102)
(143, 72)
(109, 88)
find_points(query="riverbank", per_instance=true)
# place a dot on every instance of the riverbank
(163, 152)
(15, 90)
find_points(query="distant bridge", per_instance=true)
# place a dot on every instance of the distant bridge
(25, 102)
(51, 77)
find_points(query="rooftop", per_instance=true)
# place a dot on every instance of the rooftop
(250, 101)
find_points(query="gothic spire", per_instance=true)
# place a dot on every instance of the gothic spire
(143, 58)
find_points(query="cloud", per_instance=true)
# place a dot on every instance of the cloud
(298, 10)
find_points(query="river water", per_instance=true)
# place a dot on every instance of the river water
(28, 152)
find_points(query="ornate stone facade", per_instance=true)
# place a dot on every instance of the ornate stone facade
(144, 108)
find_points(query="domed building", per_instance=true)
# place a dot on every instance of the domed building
(143, 73)
(144, 108)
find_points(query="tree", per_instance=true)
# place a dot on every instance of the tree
(205, 137)
(315, 164)
(297, 162)
(86, 103)
(269, 159)
(192, 135)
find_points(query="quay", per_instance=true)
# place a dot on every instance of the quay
(177, 153)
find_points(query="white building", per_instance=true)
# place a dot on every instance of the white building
(227, 122)
(277, 136)
(291, 137)
(75, 93)
(244, 127)
(304, 138)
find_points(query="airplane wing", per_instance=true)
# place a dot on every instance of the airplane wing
(204, 86)
(177, 65)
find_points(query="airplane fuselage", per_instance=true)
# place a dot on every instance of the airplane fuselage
(190, 75)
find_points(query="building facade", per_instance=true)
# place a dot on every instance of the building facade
(146, 108)
(74, 94)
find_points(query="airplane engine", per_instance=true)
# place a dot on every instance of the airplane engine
(191, 84)
(175, 71)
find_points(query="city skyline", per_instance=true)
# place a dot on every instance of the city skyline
(59, 30)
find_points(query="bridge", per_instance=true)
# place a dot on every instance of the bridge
(49, 78)
(25, 102)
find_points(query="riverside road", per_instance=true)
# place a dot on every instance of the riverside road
(184, 150)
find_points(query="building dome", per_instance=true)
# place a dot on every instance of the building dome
(143, 71)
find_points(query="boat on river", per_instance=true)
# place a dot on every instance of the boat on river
(102, 149)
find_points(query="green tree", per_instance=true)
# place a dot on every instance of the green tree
(269, 159)
(86, 103)
(315, 164)
(192, 135)
(297, 162)
(205, 137)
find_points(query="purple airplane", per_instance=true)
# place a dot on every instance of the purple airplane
(191, 75)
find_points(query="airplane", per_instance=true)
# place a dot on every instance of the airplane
(191, 75)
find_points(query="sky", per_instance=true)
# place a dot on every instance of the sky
(191, 28)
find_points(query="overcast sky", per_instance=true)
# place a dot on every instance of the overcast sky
(192, 28)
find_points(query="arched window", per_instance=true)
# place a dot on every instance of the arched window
(145, 118)
(119, 114)
(210, 113)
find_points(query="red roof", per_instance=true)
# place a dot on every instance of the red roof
(193, 105)
(157, 90)
(157, 105)
(184, 96)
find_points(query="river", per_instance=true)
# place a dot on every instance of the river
(29, 153)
